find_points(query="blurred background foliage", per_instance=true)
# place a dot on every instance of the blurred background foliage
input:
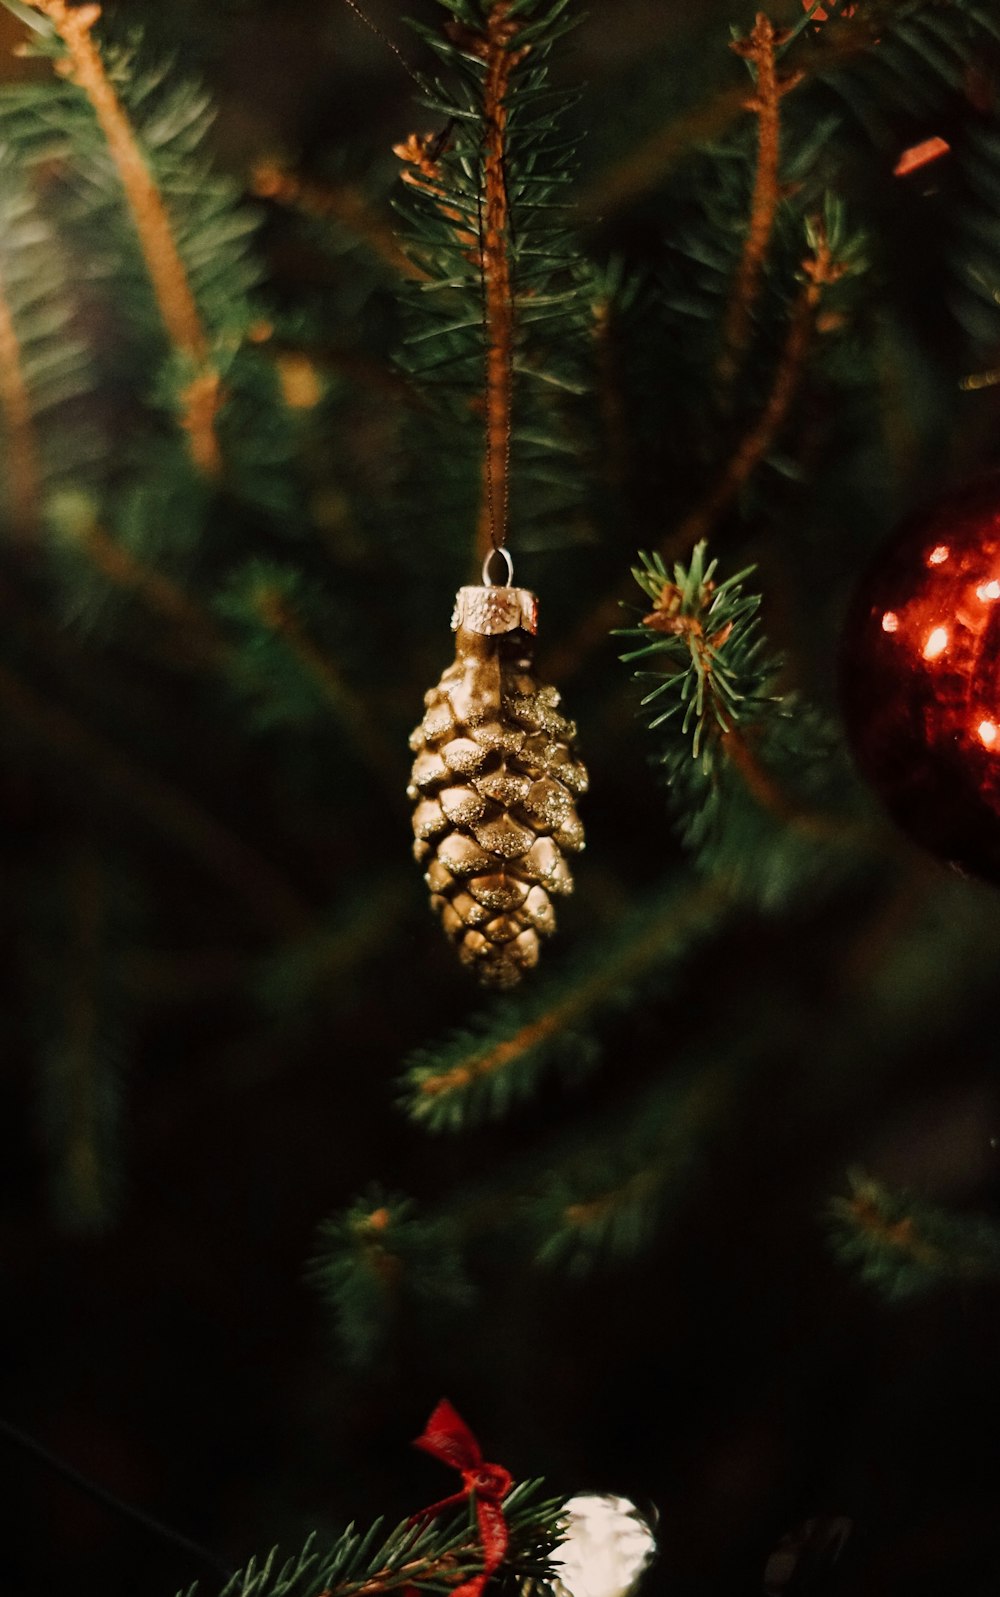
(657, 1279)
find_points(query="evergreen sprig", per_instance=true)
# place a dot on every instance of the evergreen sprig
(383, 1265)
(703, 637)
(45, 365)
(605, 1202)
(484, 1070)
(751, 769)
(174, 243)
(48, 371)
(904, 1246)
(431, 1555)
(172, 118)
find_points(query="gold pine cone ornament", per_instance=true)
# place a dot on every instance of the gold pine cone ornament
(495, 783)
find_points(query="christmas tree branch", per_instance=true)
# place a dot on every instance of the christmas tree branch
(204, 642)
(476, 1076)
(381, 1266)
(768, 793)
(656, 155)
(125, 570)
(760, 437)
(492, 44)
(904, 1246)
(488, 225)
(705, 629)
(759, 49)
(167, 275)
(597, 1214)
(607, 1204)
(21, 466)
(848, 36)
(171, 811)
(343, 204)
(432, 1555)
(868, 1212)
(728, 737)
(653, 158)
(277, 613)
(422, 154)
(819, 270)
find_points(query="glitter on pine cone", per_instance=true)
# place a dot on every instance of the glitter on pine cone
(495, 783)
(921, 678)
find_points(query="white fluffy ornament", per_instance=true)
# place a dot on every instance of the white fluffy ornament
(607, 1546)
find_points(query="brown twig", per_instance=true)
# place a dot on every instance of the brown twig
(654, 158)
(736, 742)
(152, 223)
(170, 810)
(759, 47)
(702, 1103)
(422, 153)
(277, 614)
(588, 991)
(585, 1215)
(442, 1569)
(819, 270)
(210, 649)
(125, 570)
(768, 793)
(341, 203)
(902, 1236)
(759, 437)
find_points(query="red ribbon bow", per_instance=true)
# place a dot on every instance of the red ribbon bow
(448, 1438)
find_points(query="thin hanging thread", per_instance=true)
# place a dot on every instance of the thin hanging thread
(491, 242)
(495, 50)
(100, 1494)
(498, 542)
(384, 37)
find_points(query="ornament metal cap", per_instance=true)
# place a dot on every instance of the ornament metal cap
(490, 611)
(495, 608)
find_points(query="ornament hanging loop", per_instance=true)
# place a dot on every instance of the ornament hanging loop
(504, 555)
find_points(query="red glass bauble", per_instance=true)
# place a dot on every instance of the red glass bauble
(921, 678)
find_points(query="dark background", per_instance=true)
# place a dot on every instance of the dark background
(737, 1380)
